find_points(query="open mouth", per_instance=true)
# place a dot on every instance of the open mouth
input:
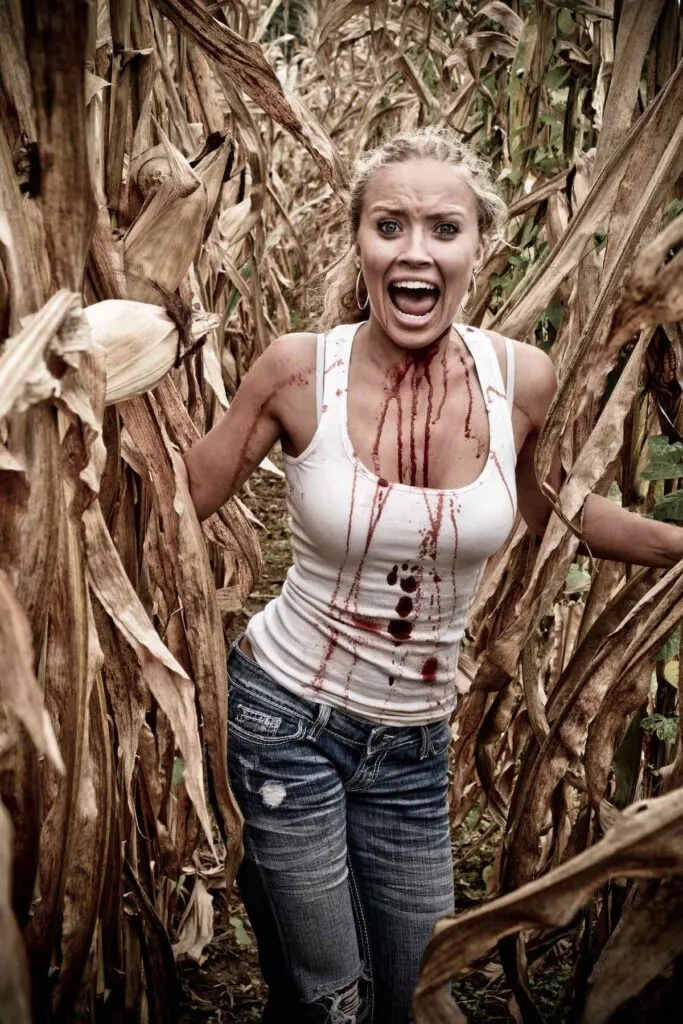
(414, 299)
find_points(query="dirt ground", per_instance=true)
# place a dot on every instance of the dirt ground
(227, 988)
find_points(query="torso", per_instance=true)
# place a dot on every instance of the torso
(446, 387)
(390, 535)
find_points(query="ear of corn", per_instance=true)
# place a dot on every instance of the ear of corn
(140, 341)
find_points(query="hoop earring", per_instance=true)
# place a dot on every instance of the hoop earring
(364, 305)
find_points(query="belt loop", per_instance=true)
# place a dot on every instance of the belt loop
(321, 721)
(424, 749)
(375, 733)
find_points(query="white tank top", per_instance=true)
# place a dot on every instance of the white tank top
(372, 612)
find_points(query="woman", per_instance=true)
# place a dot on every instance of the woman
(408, 446)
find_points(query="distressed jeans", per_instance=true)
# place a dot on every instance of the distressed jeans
(347, 850)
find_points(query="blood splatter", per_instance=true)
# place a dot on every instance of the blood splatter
(444, 383)
(430, 540)
(392, 577)
(400, 629)
(470, 399)
(338, 363)
(493, 456)
(408, 584)
(428, 418)
(366, 623)
(429, 669)
(382, 482)
(393, 380)
(414, 384)
(391, 680)
(456, 535)
(379, 500)
(300, 379)
(334, 636)
(404, 606)
(405, 567)
(491, 390)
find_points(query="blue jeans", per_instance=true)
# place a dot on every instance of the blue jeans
(347, 850)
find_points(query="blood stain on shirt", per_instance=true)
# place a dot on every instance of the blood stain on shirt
(429, 670)
(400, 630)
(404, 607)
(408, 584)
(365, 623)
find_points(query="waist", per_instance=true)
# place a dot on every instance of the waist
(247, 675)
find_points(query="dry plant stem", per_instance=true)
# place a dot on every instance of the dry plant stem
(645, 842)
(107, 634)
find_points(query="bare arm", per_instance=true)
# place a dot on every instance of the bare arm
(609, 531)
(218, 464)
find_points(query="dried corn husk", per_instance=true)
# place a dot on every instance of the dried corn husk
(140, 341)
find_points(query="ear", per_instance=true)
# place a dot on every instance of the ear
(478, 258)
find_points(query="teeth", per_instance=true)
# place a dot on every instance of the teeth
(415, 284)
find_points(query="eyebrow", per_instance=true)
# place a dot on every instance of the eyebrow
(397, 211)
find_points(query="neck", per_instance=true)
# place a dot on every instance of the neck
(381, 350)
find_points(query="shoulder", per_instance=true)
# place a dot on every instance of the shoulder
(296, 349)
(535, 376)
(286, 357)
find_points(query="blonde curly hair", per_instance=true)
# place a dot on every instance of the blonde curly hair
(340, 305)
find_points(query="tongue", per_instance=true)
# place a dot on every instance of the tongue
(416, 301)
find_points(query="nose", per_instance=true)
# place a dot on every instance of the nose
(416, 251)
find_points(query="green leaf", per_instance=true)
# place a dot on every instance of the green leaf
(665, 460)
(556, 77)
(590, 11)
(565, 22)
(670, 648)
(577, 580)
(600, 239)
(178, 772)
(664, 727)
(242, 938)
(674, 208)
(554, 313)
(670, 508)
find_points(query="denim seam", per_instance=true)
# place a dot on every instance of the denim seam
(276, 918)
(271, 701)
(327, 992)
(283, 945)
(266, 741)
(381, 754)
(364, 938)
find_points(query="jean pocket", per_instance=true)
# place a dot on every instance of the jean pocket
(259, 722)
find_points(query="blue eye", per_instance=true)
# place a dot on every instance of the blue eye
(388, 227)
(447, 229)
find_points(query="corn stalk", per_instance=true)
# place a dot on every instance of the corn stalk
(160, 223)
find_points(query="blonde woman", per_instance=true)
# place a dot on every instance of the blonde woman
(408, 444)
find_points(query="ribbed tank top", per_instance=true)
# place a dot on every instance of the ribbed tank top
(372, 612)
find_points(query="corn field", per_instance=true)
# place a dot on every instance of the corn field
(171, 193)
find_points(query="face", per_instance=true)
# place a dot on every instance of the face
(418, 242)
